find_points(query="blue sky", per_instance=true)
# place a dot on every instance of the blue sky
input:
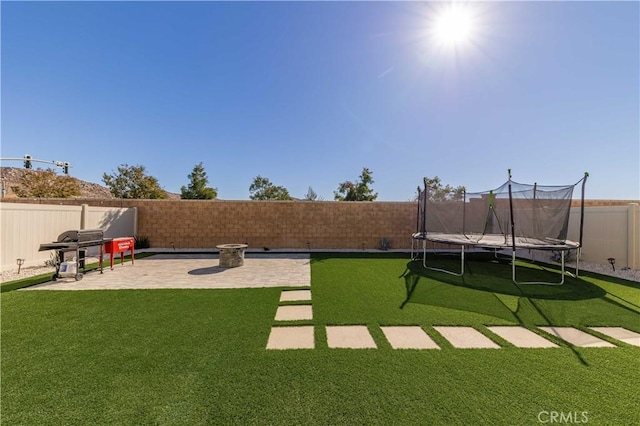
(308, 93)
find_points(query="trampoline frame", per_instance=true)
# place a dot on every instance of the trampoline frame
(516, 243)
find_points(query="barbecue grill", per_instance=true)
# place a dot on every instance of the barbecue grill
(77, 241)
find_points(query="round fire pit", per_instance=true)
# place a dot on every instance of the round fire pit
(231, 255)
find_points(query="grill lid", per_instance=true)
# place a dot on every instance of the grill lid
(80, 235)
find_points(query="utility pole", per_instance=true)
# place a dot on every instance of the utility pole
(28, 161)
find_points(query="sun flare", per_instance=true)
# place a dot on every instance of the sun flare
(454, 26)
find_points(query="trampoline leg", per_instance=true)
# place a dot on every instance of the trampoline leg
(415, 249)
(424, 263)
(415, 253)
(413, 240)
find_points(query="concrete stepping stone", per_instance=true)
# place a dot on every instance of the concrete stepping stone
(295, 295)
(294, 313)
(295, 337)
(578, 337)
(522, 337)
(466, 337)
(408, 337)
(349, 336)
(620, 333)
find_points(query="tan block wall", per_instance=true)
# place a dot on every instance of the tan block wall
(602, 203)
(275, 224)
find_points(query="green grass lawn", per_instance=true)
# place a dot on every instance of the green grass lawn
(198, 356)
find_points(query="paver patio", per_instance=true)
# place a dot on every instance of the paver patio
(179, 271)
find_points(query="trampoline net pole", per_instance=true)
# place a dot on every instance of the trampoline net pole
(513, 231)
(464, 211)
(418, 229)
(584, 182)
(534, 209)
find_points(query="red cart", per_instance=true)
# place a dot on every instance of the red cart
(119, 245)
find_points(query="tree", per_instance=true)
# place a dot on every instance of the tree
(197, 189)
(358, 191)
(263, 189)
(438, 192)
(46, 184)
(311, 195)
(132, 182)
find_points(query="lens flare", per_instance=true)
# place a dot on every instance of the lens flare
(454, 26)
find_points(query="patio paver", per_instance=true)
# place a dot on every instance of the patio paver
(466, 337)
(295, 337)
(620, 333)
(408, 337)
(180, 270)
(295, 295)
(578, 337)
(294, 313)
(522, 337)
(350, 337)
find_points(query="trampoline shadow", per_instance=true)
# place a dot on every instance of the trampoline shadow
(452, 295)
(207, 271)
(488, 274)
(577, 302)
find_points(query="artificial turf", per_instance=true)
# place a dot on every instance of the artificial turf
(199, 357)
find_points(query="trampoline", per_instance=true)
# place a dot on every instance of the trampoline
(511, 217)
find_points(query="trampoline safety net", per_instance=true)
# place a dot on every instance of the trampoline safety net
(511, 215)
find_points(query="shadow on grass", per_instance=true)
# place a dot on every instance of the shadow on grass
(487, 288)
